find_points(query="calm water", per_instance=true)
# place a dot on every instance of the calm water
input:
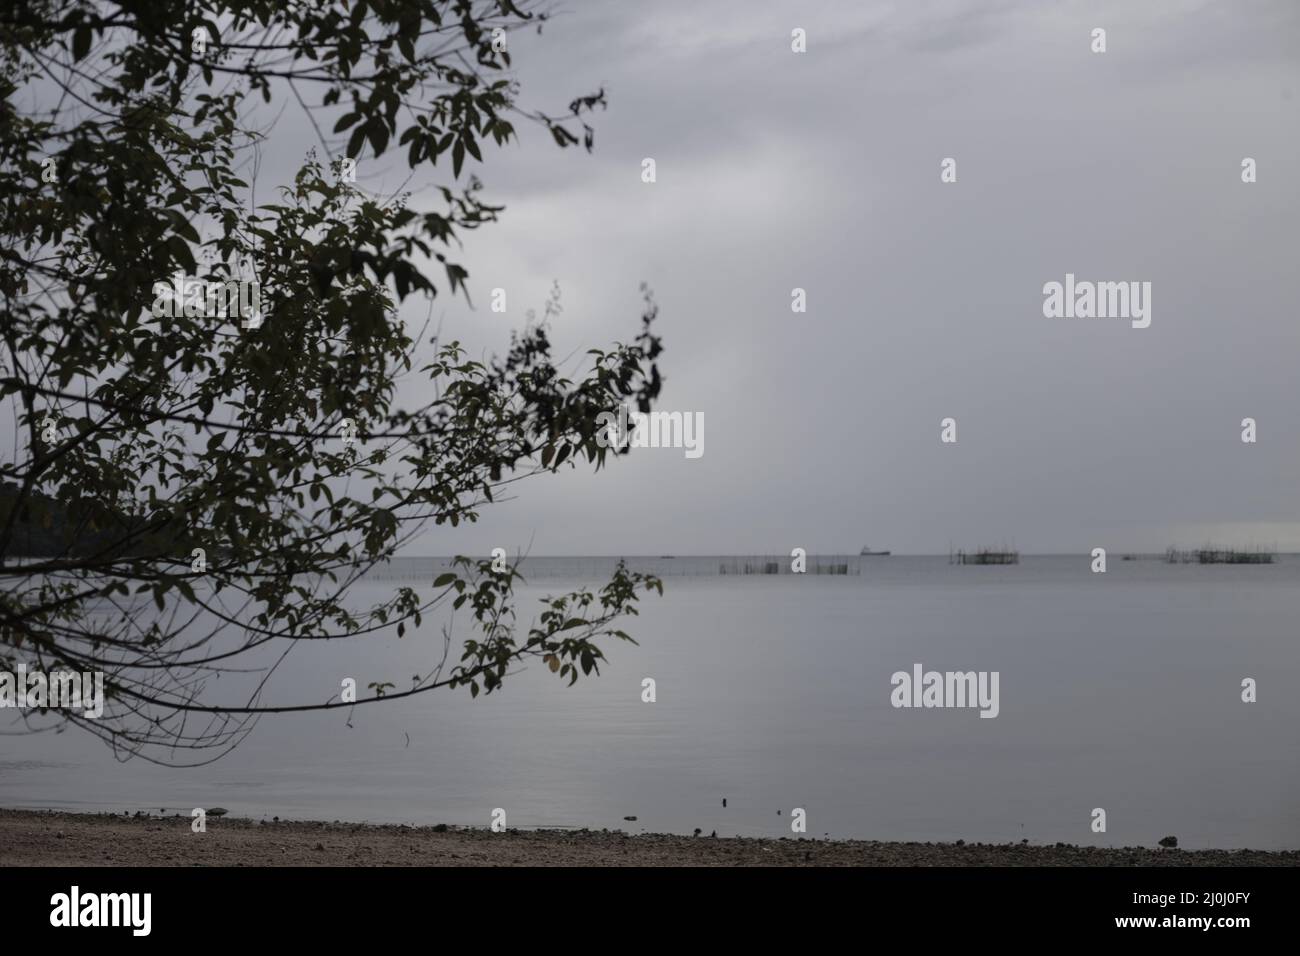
(1119, 691)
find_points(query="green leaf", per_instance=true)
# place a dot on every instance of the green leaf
(80, 42)
(356, 141)
(378, 135)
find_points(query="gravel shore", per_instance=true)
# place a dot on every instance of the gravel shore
(39, 838)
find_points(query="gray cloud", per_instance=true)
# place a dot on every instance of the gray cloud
(822, 171)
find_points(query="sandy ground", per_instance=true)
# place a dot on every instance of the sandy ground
(29, 838)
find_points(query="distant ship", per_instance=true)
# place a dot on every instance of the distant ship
(868, 553)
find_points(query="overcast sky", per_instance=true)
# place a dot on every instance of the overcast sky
(821, 170)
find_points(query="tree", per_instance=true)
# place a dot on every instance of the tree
(204, 390)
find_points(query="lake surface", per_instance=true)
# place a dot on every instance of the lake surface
(1119, 690)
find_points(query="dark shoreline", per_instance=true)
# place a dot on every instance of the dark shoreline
(59, 838)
